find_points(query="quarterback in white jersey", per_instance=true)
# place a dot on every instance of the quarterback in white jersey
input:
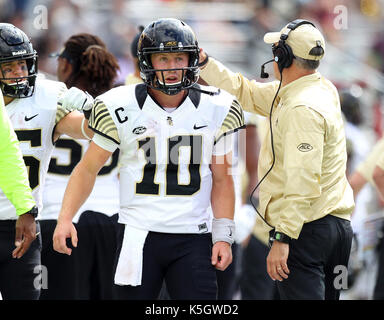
(164, 155)
(172, 138)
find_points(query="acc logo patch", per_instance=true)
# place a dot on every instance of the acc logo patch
(139, 130)
(171, 44)
(304, 147)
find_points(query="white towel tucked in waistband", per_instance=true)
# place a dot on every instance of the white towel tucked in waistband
(130, 265)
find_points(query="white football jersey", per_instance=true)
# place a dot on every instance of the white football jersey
(34, 120)
(65, 156)
(165, 176)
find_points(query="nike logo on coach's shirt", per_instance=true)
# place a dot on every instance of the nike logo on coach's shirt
(30, 118)
(198, 127)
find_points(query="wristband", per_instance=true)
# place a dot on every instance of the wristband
(223, 229)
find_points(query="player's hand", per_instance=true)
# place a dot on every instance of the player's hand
(277, 267)
(64, 230)
(221, 255)
(76, 99)
(25, 234)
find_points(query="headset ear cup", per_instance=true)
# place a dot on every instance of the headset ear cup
(281, 57)
(284, 55)
(288, 55)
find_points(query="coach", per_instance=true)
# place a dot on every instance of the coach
(304, 195)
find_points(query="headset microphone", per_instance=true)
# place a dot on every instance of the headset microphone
(264, 74)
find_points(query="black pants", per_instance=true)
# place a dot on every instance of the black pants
(62, 277)
(20, 279)
(182, 260)
(317, 260)
(95, 256)
(255, 283)
(86, 274)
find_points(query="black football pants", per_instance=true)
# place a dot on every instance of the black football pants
(318, 260)
(182, 260)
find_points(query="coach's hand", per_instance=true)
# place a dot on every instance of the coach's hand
(64, 229)
(221, 255)
(277, 267)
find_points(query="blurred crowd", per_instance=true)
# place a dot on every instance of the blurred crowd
(232, 31)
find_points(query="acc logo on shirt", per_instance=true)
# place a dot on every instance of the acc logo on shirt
(139, 130)
(304, 147)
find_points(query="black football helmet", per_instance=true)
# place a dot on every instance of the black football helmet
(15, 45)
(168, 36)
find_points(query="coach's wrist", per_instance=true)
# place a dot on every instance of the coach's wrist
(281, 237)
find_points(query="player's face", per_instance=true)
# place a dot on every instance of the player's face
(14, 69)
(175, 60)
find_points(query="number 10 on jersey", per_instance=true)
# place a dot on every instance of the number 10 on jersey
(173, 187)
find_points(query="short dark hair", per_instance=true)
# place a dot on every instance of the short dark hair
(307, 64)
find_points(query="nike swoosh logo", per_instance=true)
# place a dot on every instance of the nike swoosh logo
(30, 118)
(198, 127)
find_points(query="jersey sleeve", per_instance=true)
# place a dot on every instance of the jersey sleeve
(233, 121)
(101, 122)
(13, 174)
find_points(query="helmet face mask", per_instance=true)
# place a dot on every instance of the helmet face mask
(16, 46)
(168, 36)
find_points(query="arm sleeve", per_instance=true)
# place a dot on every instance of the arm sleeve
(254, 96)
(104, 143)
(303, 153)
(13, 174)
(102, 123)
(233, 121)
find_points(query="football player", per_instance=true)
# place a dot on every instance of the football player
(86, 64)
(175, 148)
(40, 111)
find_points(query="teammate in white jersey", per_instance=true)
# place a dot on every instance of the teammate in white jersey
(84, 63)
(38, 120)
(174, 162)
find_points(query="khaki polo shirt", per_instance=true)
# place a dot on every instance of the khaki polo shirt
(308, 180)
(375, 157)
